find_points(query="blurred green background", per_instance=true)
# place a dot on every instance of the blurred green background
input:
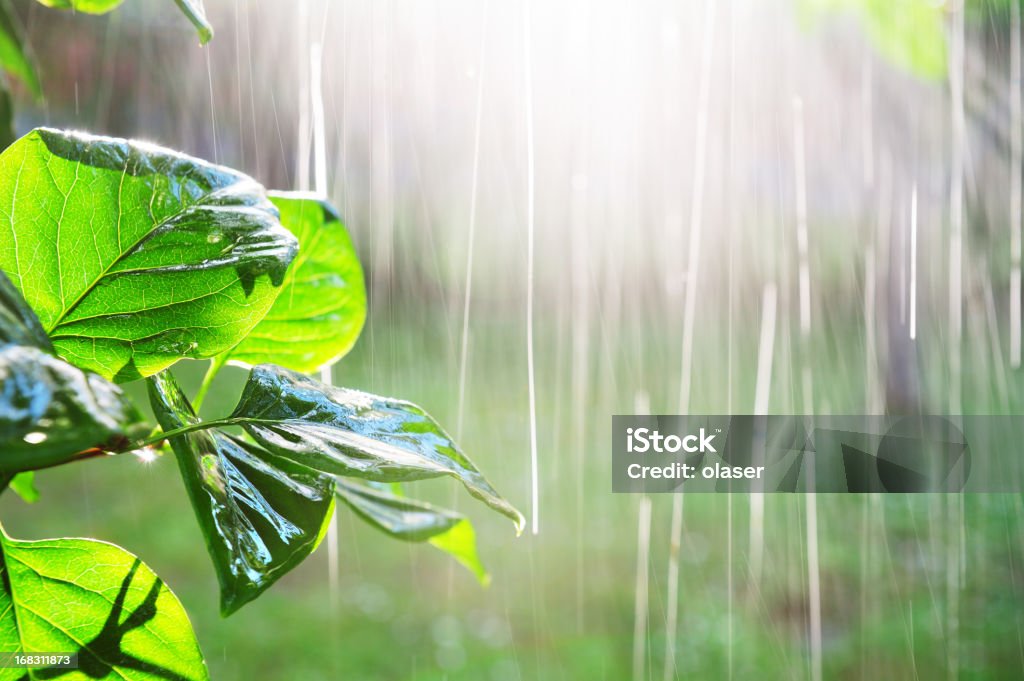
(851, 105)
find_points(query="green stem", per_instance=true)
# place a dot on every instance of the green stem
(216, 364)
(191, 428)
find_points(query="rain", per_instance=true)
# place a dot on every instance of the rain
(572, 210)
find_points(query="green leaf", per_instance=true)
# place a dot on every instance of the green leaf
(322, 307)
(51, 412)
(355, 434)
(260, 516)
(99, 601)
(7, 134)
(18, 323)
(412, 520)
(460, 543)
(12, 50)
(87, 6)
(24, 485)
(133, 256)
(398, 516)
(193, 9)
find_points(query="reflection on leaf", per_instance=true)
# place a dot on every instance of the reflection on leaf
(355, 434)
(260, 516)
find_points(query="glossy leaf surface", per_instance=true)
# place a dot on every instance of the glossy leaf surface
(133, 256)
(412, 520)
(50, 411)
(322, 307)
(13, 56)
(99, 601)
(398, 516)
(260, 516)
(196, 13)
(351, 433)
(18, 323)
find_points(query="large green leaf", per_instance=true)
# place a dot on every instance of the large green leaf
(87, 6)
(322, 305)
(133, 256)
(13, 57)
(260, 516)
(351, 433)
(52, 412)
(411, 520)
(96, 600)
(196, 13)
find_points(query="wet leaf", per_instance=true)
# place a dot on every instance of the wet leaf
(133, 256)
(398, 516)
(412, 520)
(50, 411)
(87, 6)
(196, 13)
(260, 516)
(99, 601)
(24, 485)
(351, 433)
(13, 57)
(18, 323)
(320, 312)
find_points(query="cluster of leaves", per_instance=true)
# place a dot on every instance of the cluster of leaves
(120, 259)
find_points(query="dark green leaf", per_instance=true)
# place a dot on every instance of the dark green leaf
(193, 9)
(7, 134)
(12, 50)
(24, 485)
(322, 305)
(260, 516)
(412, 520)
(133, 256)
(18, 323)
(398, 516)
(356, 434)
(99, 601)
(51, 411)
(87, 6)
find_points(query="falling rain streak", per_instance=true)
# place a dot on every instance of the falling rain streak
(572, 210)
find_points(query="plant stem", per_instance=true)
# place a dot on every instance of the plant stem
(191, 428)
(216, 364)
